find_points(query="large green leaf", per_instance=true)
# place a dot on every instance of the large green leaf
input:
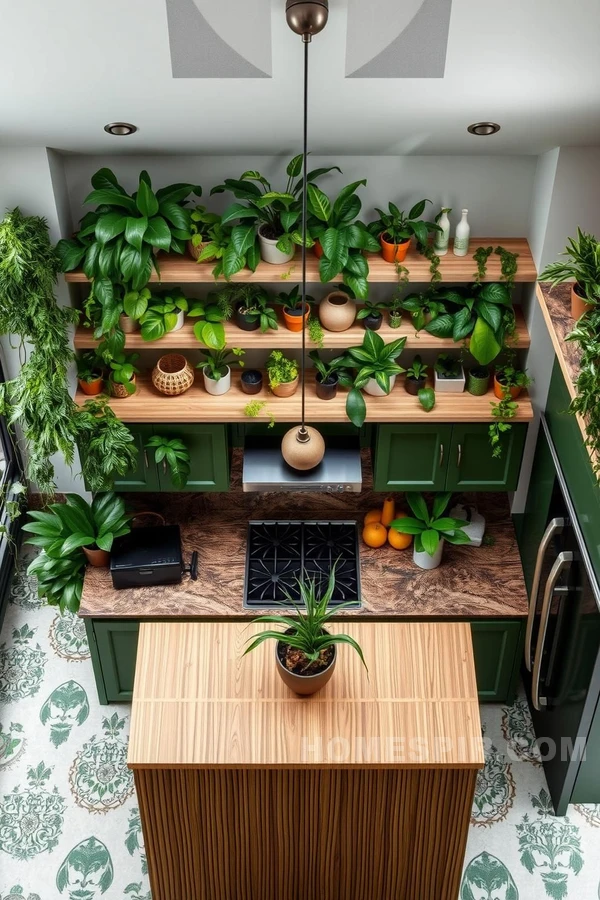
(232, 262)
(426, 397)
(356, 408)
(328, 269)
(239, 211)
(289, 218)
(135, 230)
(430, 540)
(131, 262)
(158, 233)
(333, 248)
(490, 312)
(407, 525)
(253, 256)
(105, 179)
(345, 193)
(210, 333)
(357, 265)
(442, 326)
(77, 540)
(494, 292)
(417, 210)
(70, 254)
(294, 167)
(153, 326)
(242, 238)
(440, 502)
(348, 210)
(175, 193)
(109, 226)
(146, 201)
(134, 304)
(483, 344)
(319, 203)
(111, 198)
(416, 501)
(463, 324)
(176, 215)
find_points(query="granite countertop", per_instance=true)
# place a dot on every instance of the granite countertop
(556, 306)
(482, 581)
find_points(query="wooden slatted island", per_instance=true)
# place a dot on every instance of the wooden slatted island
(361, 792)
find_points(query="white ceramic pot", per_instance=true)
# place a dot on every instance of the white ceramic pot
(372, 388)
(217, 387)
(270, 253)
(425, 561)
(180, 320)
(449, 385)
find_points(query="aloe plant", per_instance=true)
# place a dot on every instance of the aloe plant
(429, 528)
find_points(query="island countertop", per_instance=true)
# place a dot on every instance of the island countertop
(472, 582)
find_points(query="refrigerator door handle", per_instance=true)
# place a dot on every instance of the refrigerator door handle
(563, 561)
(555, 526)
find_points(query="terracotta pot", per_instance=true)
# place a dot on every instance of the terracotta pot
(326, 390)
(579, 305)
(293, 320)
(128, 324)
(97, 558)
(120, 391)
(414, 385)
(269, 251)
(393, 252)
(92, 387)
(196, 251)
(337, 311)
(305, 684)
(286, 389)
(500, 390)
(252, 381)
(318, 250)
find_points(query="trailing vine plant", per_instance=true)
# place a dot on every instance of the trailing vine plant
(106, 445)
(508, 265)
(481, 256)
(587, 334)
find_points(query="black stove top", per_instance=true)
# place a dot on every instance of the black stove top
(278, 553)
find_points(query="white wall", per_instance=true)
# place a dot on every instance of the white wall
(496, 189)
(32, 178)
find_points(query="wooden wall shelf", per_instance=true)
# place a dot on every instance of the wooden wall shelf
(182, 269)
(148, 405)
(283, 339)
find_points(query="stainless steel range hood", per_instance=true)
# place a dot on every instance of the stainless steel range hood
(265, 469)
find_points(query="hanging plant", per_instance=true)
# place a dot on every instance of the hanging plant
(481, 256)
(106, 445)
(508, 265)
(171, 452)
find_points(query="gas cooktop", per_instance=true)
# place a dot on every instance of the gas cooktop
(279, 552)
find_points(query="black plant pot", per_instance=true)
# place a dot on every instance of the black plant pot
(326, 390)
(252, 381)
(373, 321)
(414, 385)
(245, 321)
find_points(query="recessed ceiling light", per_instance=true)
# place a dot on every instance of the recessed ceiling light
(120, 129)
(483, 128)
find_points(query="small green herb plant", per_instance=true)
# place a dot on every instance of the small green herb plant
(327, 370)
(254, 408)
(171, 452)
(481, 256)
(417, 369)
(215, 362)
(506, 408)
(447, 366)
(281, 369)
(315, 331)
(510, 377)
(371, 308)
(307, 627)
(429, 528)
(292, 299)
(397, 227)
(254, 302)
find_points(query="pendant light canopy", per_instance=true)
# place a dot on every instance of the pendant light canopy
(303, 447)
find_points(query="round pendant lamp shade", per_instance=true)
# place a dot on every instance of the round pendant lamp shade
(307, 17)
(302, 449)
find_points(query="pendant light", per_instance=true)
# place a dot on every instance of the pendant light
(303, 447)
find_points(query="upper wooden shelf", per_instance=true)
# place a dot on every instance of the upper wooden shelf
(196, 405)
(454, 269)
(184, 339)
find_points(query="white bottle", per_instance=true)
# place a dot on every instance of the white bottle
(462, 235)
(442, 238)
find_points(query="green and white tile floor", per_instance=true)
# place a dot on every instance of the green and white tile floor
(69, 823)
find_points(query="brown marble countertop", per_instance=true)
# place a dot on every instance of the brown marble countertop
(482, 581)
(556, 307)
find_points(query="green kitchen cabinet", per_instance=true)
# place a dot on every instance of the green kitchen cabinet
(113, 648)
(438, 457)
(145, 475)
(497, 647)
(411, 457)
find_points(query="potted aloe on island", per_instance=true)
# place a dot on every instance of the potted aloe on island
(305, 652)
(583, 268)
(430, 530)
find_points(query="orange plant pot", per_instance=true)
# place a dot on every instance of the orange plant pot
(579, 305)
(91, 388)
(294, 323)
(500, 389)
(97, 558)
(393, 252)
(318, 249)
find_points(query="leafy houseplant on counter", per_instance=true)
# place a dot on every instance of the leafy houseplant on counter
(328, 375)
(395, 229)
(449, 374)
(340, 238)
(202, 227)
(376, 371)
(216, 368)
(171, 452)
(121, 375)
(283, 374)
(583, 268)
(291, 302)
(305, 653)
(165, 313)
(430, 530)
(371, 315)
(90, 373)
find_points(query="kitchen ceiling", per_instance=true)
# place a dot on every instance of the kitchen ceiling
(236, 86)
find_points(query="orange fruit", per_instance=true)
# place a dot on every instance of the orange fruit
(399, 541)
(387, 514)
(374, 534)
(374, 515)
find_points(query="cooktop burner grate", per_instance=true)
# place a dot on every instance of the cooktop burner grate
(279, 552)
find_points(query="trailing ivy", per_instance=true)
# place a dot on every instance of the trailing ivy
(587, 334)
(106, 445)
(481, 256)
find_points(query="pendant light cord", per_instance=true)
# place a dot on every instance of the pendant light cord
(306, 39)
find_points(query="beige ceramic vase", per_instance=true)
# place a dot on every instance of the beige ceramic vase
(337, 311)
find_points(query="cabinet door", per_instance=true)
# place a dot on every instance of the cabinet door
(209, 458)
(412, 457)
(471, 466)
(116, 648)
(145, 475)
(497, 651)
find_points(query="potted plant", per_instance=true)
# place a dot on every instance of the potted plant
(252, 309)
(424, 307)
(327, 375)
(89, 373)
(291, 301)
(211, 314)
(201, 228)
(395, 311)
(478, 380)
(375, 367)
(509, 381)
(305, 653)
(337, 311)
(283, 374)
(171, 452)
(585, 403)
(121, 375)
(482, 312)
(252, 381)
(216, 368)
(416, 376)
(583, 268)
(395, 229)
(166, 312)
(275, 214)
(76, 525)
(449, 374)
(135, 304)
(430, 530)
(340, 238)
(371, 314)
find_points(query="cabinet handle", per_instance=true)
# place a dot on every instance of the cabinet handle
(441, 455)
(459, 455)
(563, 561)
(146, 458)
(555, 526)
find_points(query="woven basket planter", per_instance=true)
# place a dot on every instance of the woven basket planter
(172, 375)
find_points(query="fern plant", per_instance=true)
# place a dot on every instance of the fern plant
(106, 445)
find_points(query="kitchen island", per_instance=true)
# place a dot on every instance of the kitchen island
(361, 792)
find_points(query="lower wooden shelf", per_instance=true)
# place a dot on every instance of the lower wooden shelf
(196, 405)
